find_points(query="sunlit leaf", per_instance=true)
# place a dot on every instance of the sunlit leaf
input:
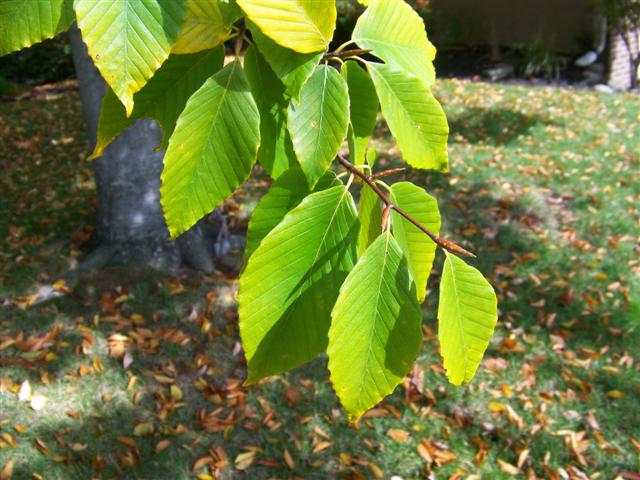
(414, 117)
(394, 32)
(375, 330)
(301, 25)
(129, 39)
(284, 195)
(467, 315)
(419, 249)
(291, 283)
(318, 122)
(25, 22)
(212, 149)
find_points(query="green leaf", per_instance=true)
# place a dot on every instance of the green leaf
(363, 109)
(162, 99)
(212, 149)
(414, 117)
(285, 194)
(230, 11)
(375, 330)
(302, 25)
(292, 68)
(370, 215)
(129, 39)
(419, 249)
(204, 27)
(291, 283)
(394, 32)
(276, 153)
(467, 316)
(318, 122)
(25, 22)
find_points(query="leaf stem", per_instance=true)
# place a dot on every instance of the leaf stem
(442, 242)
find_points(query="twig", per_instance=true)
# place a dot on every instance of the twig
(386, 173)
(346, 53)
(442, 242)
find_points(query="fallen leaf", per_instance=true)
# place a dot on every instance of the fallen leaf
(244, 460)
(162, 445)
(7, 471)
(508, 468)
(398, 435)
(289, 460)
(25, 391)
(37, 402)
(143, 429)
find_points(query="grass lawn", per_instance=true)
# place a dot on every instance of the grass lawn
(544, 186)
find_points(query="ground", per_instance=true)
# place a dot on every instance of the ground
(141, 377)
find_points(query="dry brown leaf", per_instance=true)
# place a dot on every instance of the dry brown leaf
(162, 445)
(42, 447)
(7, 471)
(398, 435)
(288, 459)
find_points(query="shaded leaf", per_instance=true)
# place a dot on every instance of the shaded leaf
(370, 215)
(363, 109)
(291, 67)
(162, 99)
(276, 153)
(204, 27)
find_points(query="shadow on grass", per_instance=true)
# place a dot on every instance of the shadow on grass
(497, 126)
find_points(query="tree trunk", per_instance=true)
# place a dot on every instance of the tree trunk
(130, 227)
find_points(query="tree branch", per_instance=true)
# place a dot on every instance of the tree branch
(346, 53)
(442, 242)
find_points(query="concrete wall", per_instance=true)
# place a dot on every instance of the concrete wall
(561, 23)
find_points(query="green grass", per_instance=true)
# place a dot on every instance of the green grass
(544, 186)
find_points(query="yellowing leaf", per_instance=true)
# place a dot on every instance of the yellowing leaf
(302, 25)
(245, 460)
(204, 27)
(143, 429)
(129, 39)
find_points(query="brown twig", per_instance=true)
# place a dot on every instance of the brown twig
(347, 53)
(386, 173)
(442, 242)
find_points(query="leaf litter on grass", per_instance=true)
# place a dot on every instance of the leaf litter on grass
(143, 379)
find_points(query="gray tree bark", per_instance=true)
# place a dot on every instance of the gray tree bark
(130, 226)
